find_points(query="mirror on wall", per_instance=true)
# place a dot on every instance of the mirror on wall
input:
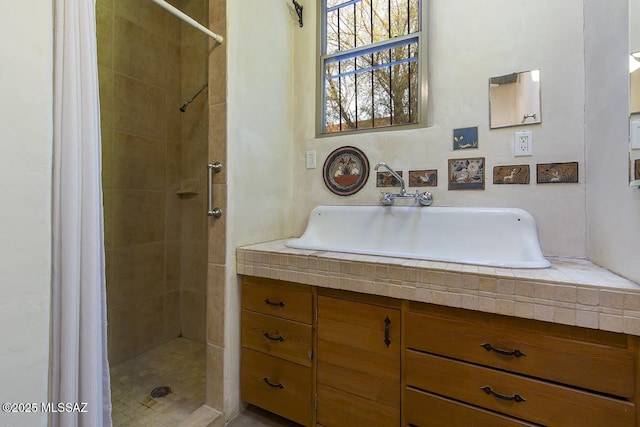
(634, 89)
(634, 82)
(514, 99)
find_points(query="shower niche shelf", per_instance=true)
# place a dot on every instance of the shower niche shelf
(188, 187)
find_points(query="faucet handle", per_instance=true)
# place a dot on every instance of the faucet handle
(425, 199)
(386, 199)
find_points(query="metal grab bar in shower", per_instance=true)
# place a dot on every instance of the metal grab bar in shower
(211, 168)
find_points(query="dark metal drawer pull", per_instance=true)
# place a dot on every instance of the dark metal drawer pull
(516, 352)
(270, 384)
(269, 337)
(516, 397)
(274, 304)
(387, 322)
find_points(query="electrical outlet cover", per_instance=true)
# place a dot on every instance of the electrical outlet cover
(523, 143)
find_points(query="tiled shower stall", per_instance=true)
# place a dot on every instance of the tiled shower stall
(158, 250)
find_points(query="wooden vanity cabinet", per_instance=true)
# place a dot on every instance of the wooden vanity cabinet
(335, 358)
(497, 370)
(277, 348)
(358, 360)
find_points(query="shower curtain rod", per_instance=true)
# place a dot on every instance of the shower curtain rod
(189, 20)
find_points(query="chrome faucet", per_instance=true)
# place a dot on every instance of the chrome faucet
(387, 199)
(395, 174)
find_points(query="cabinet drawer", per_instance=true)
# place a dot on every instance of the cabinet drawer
(428, 410)
(337, 408)
(278, 337)
(282, 299)
(539, 402)
(595, 360)
(276, 385)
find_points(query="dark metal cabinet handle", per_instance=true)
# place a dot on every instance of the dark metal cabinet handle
(274, 304)
(269, 337)
(516, 352)
(515, 398)
(387, 323)
(270, 384)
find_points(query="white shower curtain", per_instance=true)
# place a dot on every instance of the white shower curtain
(79, 368)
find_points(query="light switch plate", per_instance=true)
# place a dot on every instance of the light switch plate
(311, 159)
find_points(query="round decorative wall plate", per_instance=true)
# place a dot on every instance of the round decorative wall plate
(346, 170)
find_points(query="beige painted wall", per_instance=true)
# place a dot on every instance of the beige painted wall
(613, 208)
(259, 148)
(469, 42)
(26, 134)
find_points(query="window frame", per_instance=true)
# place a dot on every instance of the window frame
(321, 57)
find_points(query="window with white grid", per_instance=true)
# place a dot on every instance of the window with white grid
(370, 58)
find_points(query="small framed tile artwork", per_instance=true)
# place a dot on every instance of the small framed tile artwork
(466, 174)
(557, 173)
(637, 169)
(385, 179)
(511, 174)
(423, 178)
(465, 138)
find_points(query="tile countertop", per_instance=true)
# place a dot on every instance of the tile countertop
(571, 291)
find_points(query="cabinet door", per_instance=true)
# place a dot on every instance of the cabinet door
(358, 370)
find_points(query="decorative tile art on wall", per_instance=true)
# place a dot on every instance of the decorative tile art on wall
(466, 174)
(512, 174)
(555, 173)
(346, 171)
(385, 179)
(423, 178)
(637, 169)
(464, 138)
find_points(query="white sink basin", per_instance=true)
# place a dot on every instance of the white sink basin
(499, 237)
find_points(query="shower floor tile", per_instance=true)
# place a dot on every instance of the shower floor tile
(179, 364)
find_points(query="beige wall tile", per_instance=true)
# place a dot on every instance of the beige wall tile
(105, 3)
(587, 296)
(144, 13)
(194, 266)
(215, 304)
(215, 379)
(565, 293)
(106, 91)
(172, 262)
(632, 302)
(194, 217)
(106, 137)
(138, 217)
(172, 327)
(137, 272)
(175, 97)
(217, 11)
(149, 323)
(173, 220)
(139, 108)
(218, 72)
(107, 203)
(139, 163)
(104, 34)
(193, 308)
(120, 324)
(611, 299)
(174, 161)
(138, 53)
(217, 227)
